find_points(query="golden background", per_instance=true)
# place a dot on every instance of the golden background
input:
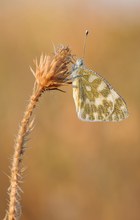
(75, 170)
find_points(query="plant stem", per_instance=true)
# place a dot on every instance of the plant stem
(50, 74)
(14, 208)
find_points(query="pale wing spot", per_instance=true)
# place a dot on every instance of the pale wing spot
(99, 101)
(114, 94)
(110, 98)
(92, 78)
(80, 112)
(87, 117)
(89, 101)
(88, 88)
(75, 95)
(123, 108)
(75, 82)
(95, 115)
(101, 86)
(113, 117)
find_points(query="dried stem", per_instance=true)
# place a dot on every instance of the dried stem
(19, 149)
(50, 74)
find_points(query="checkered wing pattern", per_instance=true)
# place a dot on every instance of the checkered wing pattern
(95, 99)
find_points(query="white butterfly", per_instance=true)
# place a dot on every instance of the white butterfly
(94, 97)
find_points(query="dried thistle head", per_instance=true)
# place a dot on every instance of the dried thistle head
(51, 73)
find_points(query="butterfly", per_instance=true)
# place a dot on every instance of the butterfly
(95, 99)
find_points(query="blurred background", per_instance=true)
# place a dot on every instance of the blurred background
(75, 170)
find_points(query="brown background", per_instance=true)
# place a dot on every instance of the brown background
(75, 170)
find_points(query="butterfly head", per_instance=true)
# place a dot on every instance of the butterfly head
(78, 64)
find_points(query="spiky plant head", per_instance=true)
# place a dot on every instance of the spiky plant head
(53, 72)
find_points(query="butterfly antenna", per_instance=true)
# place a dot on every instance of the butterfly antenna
(54, 48)
(85, 40)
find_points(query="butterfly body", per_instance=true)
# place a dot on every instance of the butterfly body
(94, 97)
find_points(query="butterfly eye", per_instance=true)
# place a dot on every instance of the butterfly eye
(79, 63)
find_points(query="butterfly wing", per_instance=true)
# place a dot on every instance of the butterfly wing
(120, 110)
(95, 99)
